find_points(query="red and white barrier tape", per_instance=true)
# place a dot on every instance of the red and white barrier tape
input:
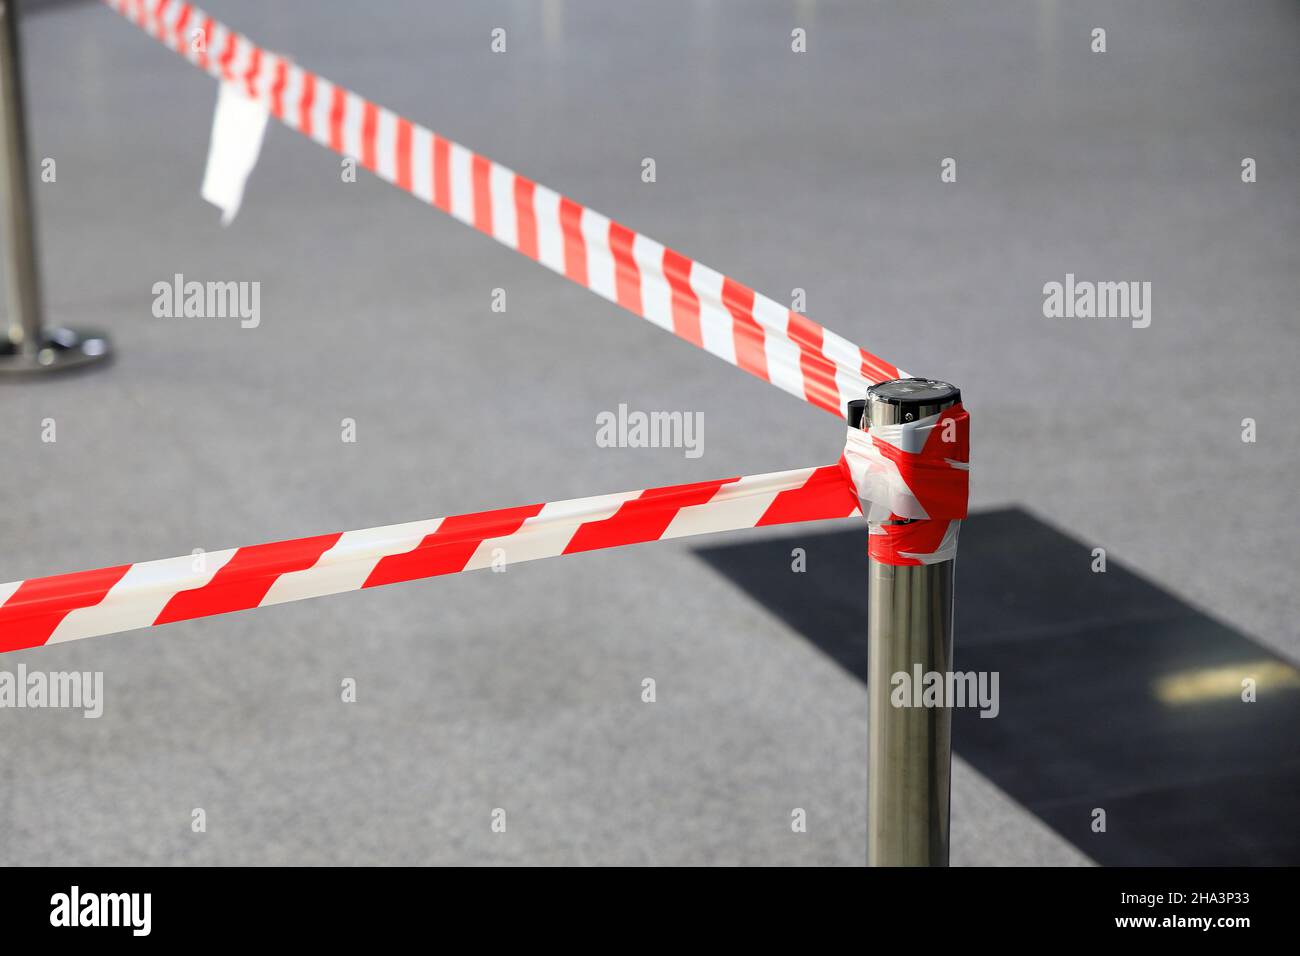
(915, 472)
(680, 295)
(913, 481)
(67, 607)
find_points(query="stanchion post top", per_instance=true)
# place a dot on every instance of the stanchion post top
(906, 400)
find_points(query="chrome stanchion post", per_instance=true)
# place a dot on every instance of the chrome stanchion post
(29, 346)
(909, 749)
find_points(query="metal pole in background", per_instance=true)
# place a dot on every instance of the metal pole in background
(909, 749)
(29, 347)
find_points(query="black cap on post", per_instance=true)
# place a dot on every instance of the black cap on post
(857, 412)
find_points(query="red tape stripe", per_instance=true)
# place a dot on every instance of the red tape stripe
(206, 42)
(277, 89)
(53, 597)
(306, 101)
(627, 276)
(370, 136)
(182, 21)
(251, 74)
(450, 547)
(824, 495)
(338, 103)
(820, 387)
(403, 148)
(750, 353)
(686, 304)
(888, 541)
(228, 56)
(482, 168)
(526, 216)
(575, 250)
(441, 173)
(243, 581)
(644, 518)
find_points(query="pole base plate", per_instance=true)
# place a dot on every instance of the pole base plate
(59, 349)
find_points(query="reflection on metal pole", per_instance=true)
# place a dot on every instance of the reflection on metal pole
(29, 347)
(909, 749)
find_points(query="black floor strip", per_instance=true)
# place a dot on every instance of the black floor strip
(1114, 694)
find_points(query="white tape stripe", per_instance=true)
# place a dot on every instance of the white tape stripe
(907, 436)
(166, 24)
(783, 369)
(422, 163)
(190, 38)
(502, 183)
(346, 566)
(550, 238)
(7, 590)
(850, 387)
(183, 42)
(353, 120)
(240, 62)
(738, 504)
(386, 145)
(462, 184)
(240, 51)
(842, 352)
(216, 46)
(291, 94)
(772, 316)
(782, 354)
(656, 293)
(320, 111)
(193, 38)
(546, 534)
(600, 258)
(717, 328)
(734, 515)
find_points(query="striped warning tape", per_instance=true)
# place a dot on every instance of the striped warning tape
(911, 480)
(685, 297)
(908, 472)
(67, 607)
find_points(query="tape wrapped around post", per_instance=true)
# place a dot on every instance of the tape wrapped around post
(913, 482)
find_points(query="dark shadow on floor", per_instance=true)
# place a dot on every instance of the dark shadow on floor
(1114, 694)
